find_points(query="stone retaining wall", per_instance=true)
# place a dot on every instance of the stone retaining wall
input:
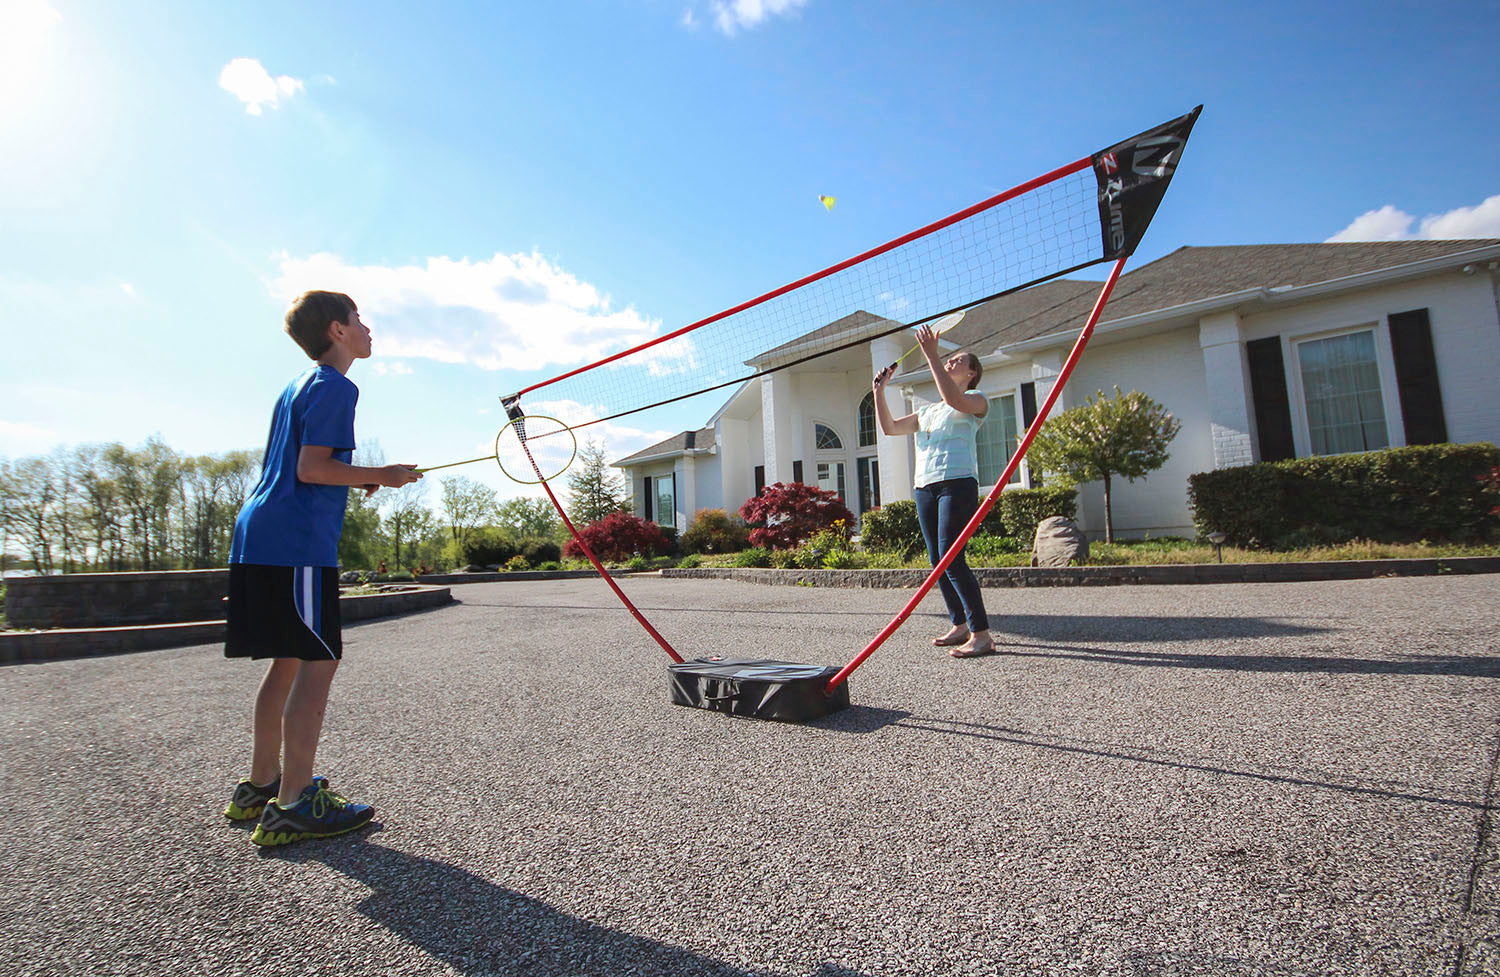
(103, 600)
(36, 646)
(1113, 575)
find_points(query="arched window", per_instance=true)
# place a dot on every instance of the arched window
(867, 421)
(826, 439)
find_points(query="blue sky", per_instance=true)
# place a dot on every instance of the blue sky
(171, 173)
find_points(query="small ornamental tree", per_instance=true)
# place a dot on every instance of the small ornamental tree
(714, 531)
(1491, 486)
(1126, 434)
(619, 536)
(787, 513)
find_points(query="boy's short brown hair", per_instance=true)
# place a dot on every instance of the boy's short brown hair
(308, 319)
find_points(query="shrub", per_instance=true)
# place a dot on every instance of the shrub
(755, 556)
(619, 536)
(489, 547)
(637, 563)
(1434, 491)
(715, 531)
(690, 562)
(786, 513)
(538, 551)
(1022, 509)
(985, 547)
(549, 565)
(893, 527)
(517, 562)
(784, 559)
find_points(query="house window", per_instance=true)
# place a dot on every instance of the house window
(867, 421)
(826, 438)
(831, 477)
(997, 440)
(1341, 391)
(666, 500)
(646, 498)
(760, 480)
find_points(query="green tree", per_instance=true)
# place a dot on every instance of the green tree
(406, 519)
(528, 518)
(1126, 434)
(594, 490)
(467, 505)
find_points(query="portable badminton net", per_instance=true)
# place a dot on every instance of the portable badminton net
(1088, 212)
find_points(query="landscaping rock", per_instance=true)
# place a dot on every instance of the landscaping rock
(1059, 542)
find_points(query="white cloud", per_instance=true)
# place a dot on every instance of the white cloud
(247, 80)
(689, 19)
(1392, 224)
(26, 28)
(517, 311)
(392, 369)
(19, 438)
(129, 290)
(731, 16)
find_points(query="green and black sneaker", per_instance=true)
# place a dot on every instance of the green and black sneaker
(318, 813)
(249, 800)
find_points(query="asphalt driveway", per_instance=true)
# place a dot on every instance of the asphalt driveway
(1286, 779)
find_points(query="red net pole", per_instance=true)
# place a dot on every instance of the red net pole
(1000, 483)
(597, 565)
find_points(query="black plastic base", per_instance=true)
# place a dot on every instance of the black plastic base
(785, 691)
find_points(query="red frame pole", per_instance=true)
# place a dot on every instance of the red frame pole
(989, 500)
(599, 566)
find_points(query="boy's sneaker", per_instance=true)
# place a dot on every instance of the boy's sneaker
(318, 813)
(249, 800)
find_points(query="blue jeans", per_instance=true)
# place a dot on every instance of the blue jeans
(943, 510)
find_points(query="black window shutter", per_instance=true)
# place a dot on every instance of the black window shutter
(760, 480)
(1028, 404)
(1416, 378)
(648, 499)
(1273, 413)
(796, 471)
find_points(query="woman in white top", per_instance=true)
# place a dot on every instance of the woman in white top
(947, 482)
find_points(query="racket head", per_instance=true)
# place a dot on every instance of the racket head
(535, 448)
(947, 322)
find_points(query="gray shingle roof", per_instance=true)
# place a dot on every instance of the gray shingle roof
(683, 441)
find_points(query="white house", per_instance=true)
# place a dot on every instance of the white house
(1263, 352)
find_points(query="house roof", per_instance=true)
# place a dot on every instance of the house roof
(677, 444)
(1187, 275)
(854, 326)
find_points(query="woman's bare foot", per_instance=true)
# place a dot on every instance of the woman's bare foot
(956, 635)
(979, 643)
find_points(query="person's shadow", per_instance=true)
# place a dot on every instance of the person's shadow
(479, 927)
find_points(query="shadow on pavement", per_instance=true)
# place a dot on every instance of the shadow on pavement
(1469, 666)
(1183, 760)
(479, 927)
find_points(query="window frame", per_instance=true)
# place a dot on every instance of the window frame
(1385, 367)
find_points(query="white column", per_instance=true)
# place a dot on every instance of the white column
(687, 491)
(893, 453)
(778, 430)
(1230, 407)
(736, 479)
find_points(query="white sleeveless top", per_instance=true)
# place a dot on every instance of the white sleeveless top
(946, 445)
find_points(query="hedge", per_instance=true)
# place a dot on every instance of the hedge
(1434, 492)
(893, 527)
(1022, 509)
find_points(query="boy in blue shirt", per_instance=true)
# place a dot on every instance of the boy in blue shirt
(283, 576)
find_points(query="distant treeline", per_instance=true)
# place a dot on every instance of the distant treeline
(110, 507)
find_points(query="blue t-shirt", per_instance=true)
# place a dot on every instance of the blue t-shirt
(289, 523)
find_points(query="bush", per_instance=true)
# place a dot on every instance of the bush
(1022, 509)
(983, 546)
(637, 563)
(538, 551)
(619, 536)
(715, 531)
(755, 556)
(786, 513)
(489, 547)
(1433, 491)
(690, 562)
(893, 527)
(517, 562)
(549, 565)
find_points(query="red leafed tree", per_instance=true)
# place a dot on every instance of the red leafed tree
(619, 536)
(1491, 483)
(787, 513)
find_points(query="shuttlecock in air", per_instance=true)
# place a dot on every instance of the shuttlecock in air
(828, 202)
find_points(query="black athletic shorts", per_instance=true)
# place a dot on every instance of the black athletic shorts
(283, 612)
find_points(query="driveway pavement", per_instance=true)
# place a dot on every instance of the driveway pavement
(1281, 779)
